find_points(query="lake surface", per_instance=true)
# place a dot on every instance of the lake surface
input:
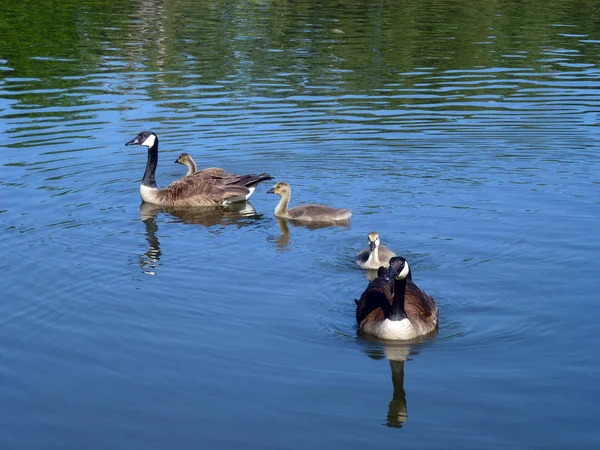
(465, 133)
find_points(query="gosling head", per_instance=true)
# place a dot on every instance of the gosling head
(183, 159)
(373, 240)
(145, 138)
(399, 269)
(280, 188)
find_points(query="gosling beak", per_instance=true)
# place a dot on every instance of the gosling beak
(372, 245)
(271, 191)
(177, 161)
(134, 141)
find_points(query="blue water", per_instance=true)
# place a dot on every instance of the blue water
(466, 135)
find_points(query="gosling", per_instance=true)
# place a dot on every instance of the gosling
(376, 255)
(307, 213)
(186, 159)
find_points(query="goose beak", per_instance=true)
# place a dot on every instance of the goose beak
(176, 161)
(271, 191)
(372, 245)
(134, 141)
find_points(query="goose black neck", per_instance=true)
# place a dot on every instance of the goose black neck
(397, 312)
(149, 179)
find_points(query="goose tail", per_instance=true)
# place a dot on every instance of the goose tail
(253, 180)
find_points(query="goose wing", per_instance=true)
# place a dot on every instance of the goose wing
(209, 189)
(230, 179)
(377, 296)
(417, 303)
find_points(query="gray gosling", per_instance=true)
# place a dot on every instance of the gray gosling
(376, 255)
(393, 307)
(209, 187)
(307, 213)
(186, 159)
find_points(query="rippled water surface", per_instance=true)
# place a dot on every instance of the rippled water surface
(465, 133)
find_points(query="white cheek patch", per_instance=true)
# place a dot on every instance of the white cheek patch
(149, 142)
(402, 275)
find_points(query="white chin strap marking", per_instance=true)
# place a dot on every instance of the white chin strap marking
(149, 142)
(402, 275)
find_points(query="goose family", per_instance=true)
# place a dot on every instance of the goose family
(376, 255)
(308, 213)
(392, 307)
(208, 187)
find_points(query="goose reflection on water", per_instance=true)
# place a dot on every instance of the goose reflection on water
(208, 216)
(283, 240)
(238, 214)
(396, 353)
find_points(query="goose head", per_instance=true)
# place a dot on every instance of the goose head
(399, 269)
(145, 138)
(280, 188)
(183, 159)
(373, 240)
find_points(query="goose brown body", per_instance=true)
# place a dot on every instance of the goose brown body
(394, 307)
(207, 187)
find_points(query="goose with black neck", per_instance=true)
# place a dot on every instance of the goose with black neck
(393, 307)
(204, 188)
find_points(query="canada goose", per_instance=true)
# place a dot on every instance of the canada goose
(205, 188)
(187, 160)
(314, 213)
(376, 255)
(393, 307)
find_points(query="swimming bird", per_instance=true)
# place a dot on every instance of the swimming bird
(187, 160)
(205, 188)
(376, 255)
(308, 213)
(393, 307)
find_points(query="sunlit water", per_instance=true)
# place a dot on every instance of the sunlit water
(465, 135)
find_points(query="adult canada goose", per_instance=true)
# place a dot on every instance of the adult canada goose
(393, 307)
(376, 255)
(205, 188)
(308, 213)
(187, 160)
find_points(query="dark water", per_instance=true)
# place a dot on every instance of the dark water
(464, 132)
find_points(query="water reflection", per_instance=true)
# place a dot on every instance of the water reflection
(149, 261)
(396, 353)
(283, 240)
(236, 214)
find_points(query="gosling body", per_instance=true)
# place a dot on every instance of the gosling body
(307, 213)
(210, 172)
(205, 188)
(376, 255)
(393, 307)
